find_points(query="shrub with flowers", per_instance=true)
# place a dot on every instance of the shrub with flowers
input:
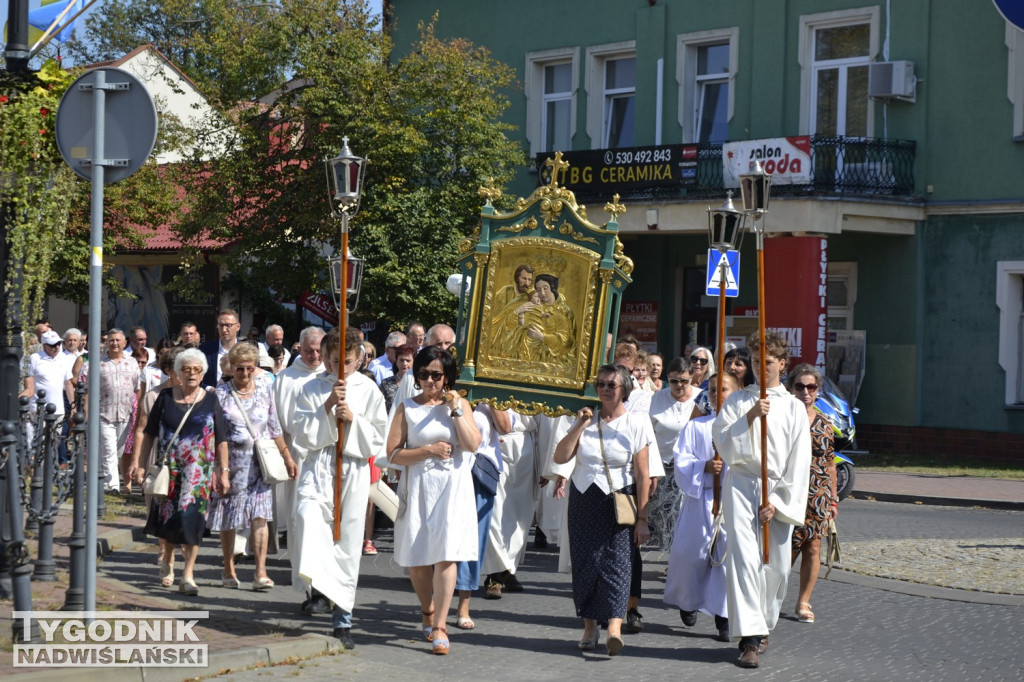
(36, 186)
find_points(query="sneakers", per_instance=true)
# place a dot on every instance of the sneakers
(344, 636)
(748, 657)
(634, 622)
(511, 583)
(368, 548)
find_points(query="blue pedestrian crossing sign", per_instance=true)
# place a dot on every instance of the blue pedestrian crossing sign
(732, 273)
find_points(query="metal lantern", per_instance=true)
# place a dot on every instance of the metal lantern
(725, 226)
(354, 277)
(754, 189)
(345, 180)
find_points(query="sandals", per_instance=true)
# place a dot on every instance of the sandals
(439, 636)
(804, 613)
(230, 582)
(589, 643)
(167, 573)
(465, 623)
(428, 626)
(262, 584)
(188, 587)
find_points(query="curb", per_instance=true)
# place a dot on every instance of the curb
(1007, 505)
(840, 575)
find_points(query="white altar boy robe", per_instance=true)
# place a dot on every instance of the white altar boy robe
(516, 500)
(287, 387)
(332, 568)
(756, 590)
(693, 584)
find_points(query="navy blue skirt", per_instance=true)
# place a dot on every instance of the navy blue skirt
(601, 554)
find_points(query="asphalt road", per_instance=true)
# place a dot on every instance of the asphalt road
(865, 629)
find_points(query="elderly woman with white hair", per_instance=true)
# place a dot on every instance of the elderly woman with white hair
(188, 425)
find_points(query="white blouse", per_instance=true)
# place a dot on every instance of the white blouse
(668, 417)
(624, 437)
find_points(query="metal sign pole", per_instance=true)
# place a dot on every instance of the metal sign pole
(99, 113)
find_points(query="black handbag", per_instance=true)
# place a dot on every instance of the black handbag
(486, 474)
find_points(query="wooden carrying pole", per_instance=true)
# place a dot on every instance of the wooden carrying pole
(723, 267)
(763, 379)
(342, 328)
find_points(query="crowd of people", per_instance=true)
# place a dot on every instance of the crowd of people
(470, 482)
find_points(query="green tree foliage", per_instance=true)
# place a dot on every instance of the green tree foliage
(429, 122)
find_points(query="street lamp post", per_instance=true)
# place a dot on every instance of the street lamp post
(344, 187)
(755, 188)
(725, 232)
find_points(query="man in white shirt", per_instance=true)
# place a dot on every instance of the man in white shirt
(73, 346)
(287, 386)
(50, 372)
(755, 590)
(275, 337)
(382, 366)
(137, 339)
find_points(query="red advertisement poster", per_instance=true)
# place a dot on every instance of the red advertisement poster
(796, 282)
(640, 318)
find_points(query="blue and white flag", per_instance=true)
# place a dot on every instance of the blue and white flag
(42, 17)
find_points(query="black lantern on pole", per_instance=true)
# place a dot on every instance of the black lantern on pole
(345, 181)
(353, 284)
(725, 226)
(755, 188)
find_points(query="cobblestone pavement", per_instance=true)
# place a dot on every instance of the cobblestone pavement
(867, 628)
(862, 632)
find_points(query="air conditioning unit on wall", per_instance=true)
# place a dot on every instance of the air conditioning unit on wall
(892, 80)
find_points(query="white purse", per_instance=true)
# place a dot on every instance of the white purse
(269, 457)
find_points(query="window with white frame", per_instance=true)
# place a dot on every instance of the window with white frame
(552, 81)
(1010, 301)
(1015, 78)
(835, 50)
(611, 95)
(705, 73)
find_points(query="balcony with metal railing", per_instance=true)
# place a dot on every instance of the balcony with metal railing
(854, 167)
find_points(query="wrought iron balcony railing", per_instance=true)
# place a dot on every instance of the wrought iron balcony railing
(840, 166)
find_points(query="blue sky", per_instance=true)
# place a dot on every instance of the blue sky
(374, 4)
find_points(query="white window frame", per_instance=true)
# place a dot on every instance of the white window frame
(1015, 78)
(844, 270)
(535, 100)
(1010, 301)
(687, 46)
(597, 57)
(809, 23)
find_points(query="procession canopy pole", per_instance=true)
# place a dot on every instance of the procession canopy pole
(342, 328)
(717, 487)
(764, 380)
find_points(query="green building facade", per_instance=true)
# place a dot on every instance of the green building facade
(915, 115)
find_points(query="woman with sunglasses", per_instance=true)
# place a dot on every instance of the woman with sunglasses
(611, 450)
(822, 501)
(249, 502)
(433, 436)
(671, 410)
(702, 365)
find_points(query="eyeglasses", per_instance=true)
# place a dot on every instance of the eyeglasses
(227, 325)
(424, 374)
(192, 370)
(698, 360)
(606, 384)
(810, 388)
(245, 369)
(675, 382)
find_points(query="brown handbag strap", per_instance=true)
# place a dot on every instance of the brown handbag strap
(604, 460)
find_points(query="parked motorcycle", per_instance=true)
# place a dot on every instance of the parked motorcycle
(833, 404)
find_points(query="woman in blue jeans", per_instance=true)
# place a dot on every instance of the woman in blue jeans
(492, 424)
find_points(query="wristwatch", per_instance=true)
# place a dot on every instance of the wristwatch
(457, 412)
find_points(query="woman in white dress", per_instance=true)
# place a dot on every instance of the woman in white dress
(433, 436)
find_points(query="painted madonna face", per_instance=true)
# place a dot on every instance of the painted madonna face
(544, 289)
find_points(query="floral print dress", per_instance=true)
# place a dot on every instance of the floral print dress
(249, 496)
(819, 493)
(181, 517)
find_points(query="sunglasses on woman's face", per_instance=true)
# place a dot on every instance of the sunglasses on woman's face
(810, 388)
(424, 374)
(606, 384)
(695, 360)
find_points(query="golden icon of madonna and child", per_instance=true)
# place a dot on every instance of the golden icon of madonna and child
(531, 328)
